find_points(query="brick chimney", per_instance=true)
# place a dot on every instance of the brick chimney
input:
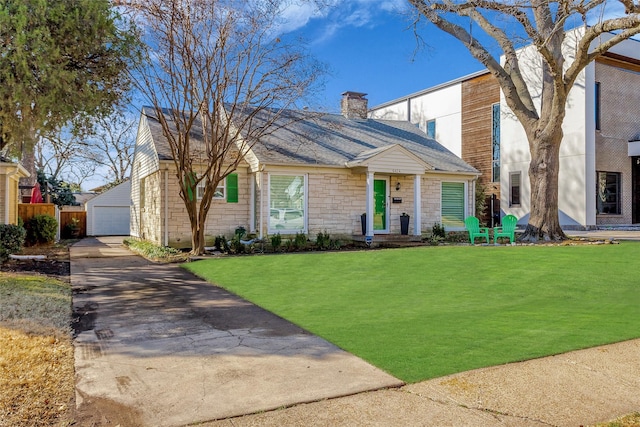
(354, 105)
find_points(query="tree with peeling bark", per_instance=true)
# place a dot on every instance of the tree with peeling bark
(543, 25)
(219, 79)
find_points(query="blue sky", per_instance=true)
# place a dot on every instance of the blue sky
(370, 47)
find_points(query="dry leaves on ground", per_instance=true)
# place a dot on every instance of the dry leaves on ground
(36, 356)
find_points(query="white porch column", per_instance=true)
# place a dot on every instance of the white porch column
(369, 204)
(417, 205)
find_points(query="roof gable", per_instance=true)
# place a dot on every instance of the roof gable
(390, 159)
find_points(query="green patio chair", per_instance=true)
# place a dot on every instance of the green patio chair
(473, 227)
(507, 229)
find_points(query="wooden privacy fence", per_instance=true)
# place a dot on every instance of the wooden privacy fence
(66, 217)
(26, 211)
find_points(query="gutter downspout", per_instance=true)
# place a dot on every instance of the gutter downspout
(252, 203)
(260, 208)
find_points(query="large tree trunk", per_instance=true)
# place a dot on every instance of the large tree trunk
(197, 228)
(544, 223)
(28, 159)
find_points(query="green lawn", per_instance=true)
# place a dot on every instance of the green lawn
(425, 312)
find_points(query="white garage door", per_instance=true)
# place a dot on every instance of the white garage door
(111, 220)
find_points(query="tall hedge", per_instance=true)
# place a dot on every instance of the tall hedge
(41, 229)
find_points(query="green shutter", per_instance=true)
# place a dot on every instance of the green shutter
(453, 204)
(232, 188)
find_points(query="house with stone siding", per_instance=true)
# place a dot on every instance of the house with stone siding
(317, 173)
(599, 177)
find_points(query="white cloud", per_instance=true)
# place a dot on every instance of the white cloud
(336, 14)
(297, 14)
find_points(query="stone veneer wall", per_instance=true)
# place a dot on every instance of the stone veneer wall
(620, 122)
(150, 215)
(336, 200)
(223, 217)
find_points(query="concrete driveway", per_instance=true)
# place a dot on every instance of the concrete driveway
(156, 346)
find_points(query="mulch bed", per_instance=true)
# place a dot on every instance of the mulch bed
(56, 264)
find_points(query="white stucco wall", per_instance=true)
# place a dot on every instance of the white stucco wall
(442, 104)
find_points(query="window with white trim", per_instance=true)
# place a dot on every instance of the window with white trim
(287, 203)
(218, 194)
(452, 210)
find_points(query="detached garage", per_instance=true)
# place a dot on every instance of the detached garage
(109, 213)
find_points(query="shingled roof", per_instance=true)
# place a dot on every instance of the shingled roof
(323, 139)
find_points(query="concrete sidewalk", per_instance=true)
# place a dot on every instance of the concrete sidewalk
(580, 388)
(158, 347)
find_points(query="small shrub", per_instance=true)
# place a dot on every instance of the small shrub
(11, 240)
(236, 246)
(434, 240)
(323, 240)
(71, 229)
(240, 232)
(300, 241)
(221, 244)
(335, 245)
(276, 242)
(481, 200)
(288, 245)
(41, 229)
(438, 231)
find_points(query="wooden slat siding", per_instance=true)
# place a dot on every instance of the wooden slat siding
(26, 211)
(396, 160)
(67, 216)
(478, 96)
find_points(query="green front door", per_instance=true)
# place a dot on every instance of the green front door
(380, 204)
